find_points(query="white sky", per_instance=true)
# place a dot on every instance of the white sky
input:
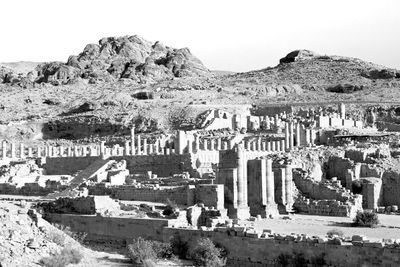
(225, 34)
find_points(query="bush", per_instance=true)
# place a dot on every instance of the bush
(170, 208)
(335, 232)
(205, 253)
(141, 250)
(366, 218)
(56, 237)
(63, 258)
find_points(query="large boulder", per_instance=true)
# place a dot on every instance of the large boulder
(298, 55)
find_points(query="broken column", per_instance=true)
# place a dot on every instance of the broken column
(271, 208)
(288, 187)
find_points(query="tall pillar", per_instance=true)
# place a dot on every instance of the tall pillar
(219, 144)
(133, 150)
(196, 143)
(271, 208)
(151, 146)
(205, 144)
(13, 150)
(212, 144)
(282, 145)
(4, 147)
(291, 136)
(30, 153)
(243, 211)
(182, 141)
(287, 136)
(342, 111)
(126, 149)
(288, 187)
(273, 148)
(39, 152)
(190, 146)
(21, 150)
(263, 145)
(268, 145)
(267, 123)
(139, 145)
(298, 135)
(312, 136)
(144, 146)
(61, 151)
(225, 145)
(69, 152)
(308, 137)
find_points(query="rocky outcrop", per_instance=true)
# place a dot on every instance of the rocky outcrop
(128, 57)
(298, 55)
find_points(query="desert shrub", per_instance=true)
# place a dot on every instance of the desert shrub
(179, 247)
(77, 236)
(356, 187)
(335, 232)
(283, 260)
(140, 250)
(57, 237)
(366, 218)
(205, 253)
(162, 250)
(63, 258)
(170, 208)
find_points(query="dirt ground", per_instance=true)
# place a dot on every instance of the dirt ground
(320, 225)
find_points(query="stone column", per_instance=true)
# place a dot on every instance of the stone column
(267, 123)
(39, 152)
(205, 144)
(69, 152)
(126, 149)
(282, 145)
(308, 137)
(273, 148)
(312, 136)
(21, 150)
(13, 150)
(4, 152)
(268, 145)
(61, 151)
(243, 211)
(30, 153)
(190, 146)
(291, 136)
(196, 143)
(139, 145)
(287, 136)
(342, 111)
(225, 145)
(271, 208)
(288, 187)
(298, 135)
(133, 150)
(151, 149)
(144, 146)
(212, 144)
(157, 147)
(219, 144)
(263, 145)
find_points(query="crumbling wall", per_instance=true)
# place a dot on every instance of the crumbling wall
(391, 188)
(162, 165)
(337, 167)
(179, 195)
(212, 195)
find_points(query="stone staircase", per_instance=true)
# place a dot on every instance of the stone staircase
(93, 169)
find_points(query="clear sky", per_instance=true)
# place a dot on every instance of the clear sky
(225, 34)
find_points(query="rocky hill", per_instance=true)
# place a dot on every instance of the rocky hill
(112, 59)
(306, 70)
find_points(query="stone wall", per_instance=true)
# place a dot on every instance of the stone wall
(248, 249)
(162, 165)
(244, 247)
(111, 228)
(179, 195)
(337, 167)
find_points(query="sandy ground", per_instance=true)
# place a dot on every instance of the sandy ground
(320, 225)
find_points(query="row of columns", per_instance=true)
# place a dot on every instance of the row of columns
(294, 134)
